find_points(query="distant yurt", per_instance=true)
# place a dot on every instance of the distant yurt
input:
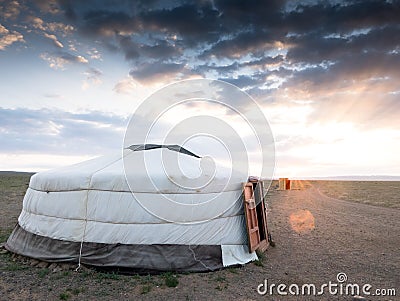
(284, 184)
(106, 214)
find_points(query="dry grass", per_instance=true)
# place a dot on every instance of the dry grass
(348, 237)
(377, 193)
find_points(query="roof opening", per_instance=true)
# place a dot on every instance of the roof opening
(172, 147)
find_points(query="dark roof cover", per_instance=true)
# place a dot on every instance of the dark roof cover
(172, 147)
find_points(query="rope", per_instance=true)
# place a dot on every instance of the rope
(84, 231)
(86, 211)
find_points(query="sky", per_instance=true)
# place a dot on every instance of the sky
(325, 74)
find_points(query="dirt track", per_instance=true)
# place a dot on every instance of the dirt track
(360, 240)
(316, 238)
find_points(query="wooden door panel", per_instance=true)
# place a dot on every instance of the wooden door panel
(253, 231)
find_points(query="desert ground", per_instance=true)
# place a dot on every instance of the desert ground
(320, 229)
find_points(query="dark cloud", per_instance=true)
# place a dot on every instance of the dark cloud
(162, 50)
(297, 43)
(341, 17)
(258, 64)
(157, 37)
(255, 42)
(194, 22)
(10, 9)
(129, 47)
(107, 23)
(244, 81)
(265, 60)
(148, 72)
(312, 48)
(58, 132)
(308, 63)
(346, 72)
(238, 14)
(47, 6)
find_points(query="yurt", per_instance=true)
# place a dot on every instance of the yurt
(126, 211)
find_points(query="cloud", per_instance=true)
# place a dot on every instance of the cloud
(108, 23)
(10, 9)
(65, 29)
(312, 48)
(255, 42)
(48, 6)
(320, 62)
(125, 86)
(305, 49)
(236, 68)
(231, 39)
(26, 131)
(7, 37)
(56, 42)
(93, 73)
(93, 77)
(306, 46)
(54, 27)
(193, 22)
(37, 23)
(3, 30)
(94, 54)
(161, 50)
(59, 60)
(346, 72)
(341, 17)
(159, 71)
(128, 47)
(243, 81)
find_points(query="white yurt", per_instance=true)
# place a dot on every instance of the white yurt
(133, 211)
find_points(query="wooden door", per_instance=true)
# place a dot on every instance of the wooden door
(253, 230)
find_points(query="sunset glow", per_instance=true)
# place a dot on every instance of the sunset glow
(325, 74)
